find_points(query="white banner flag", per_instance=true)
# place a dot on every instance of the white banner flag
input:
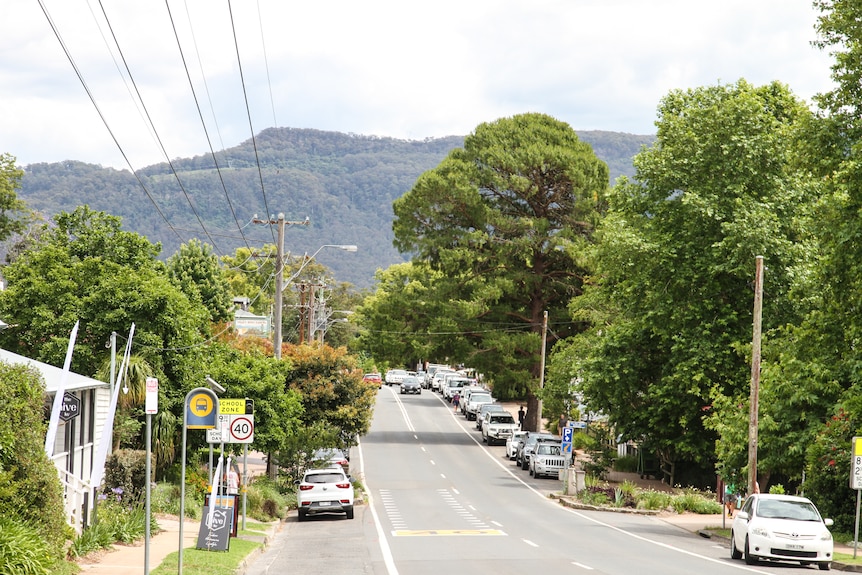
(54, 422)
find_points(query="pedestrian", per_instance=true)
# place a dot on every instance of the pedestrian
(232, 481)
(521, 416)
(730, 497)
(564, 421)
(456, 401)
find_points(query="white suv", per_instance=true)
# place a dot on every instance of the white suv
(476, 399)
(324, 491)
(497, 427)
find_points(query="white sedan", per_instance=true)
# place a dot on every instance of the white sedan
(781, 528)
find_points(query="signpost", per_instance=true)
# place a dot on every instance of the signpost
(151, 407)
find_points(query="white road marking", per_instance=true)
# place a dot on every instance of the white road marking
(528, 542)
(388, 560)
(582, 566)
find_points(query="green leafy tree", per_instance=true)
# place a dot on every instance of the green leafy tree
(505, 220)
(196, 271)
(671, 299)
(251, 274)
(13, 213)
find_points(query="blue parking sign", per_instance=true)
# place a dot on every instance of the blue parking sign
(567, 434)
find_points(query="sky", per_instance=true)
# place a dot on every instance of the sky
(207, 74)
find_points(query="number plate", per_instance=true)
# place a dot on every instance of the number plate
(325, 503)
(792, 546)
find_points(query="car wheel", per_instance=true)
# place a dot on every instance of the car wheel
(350, 513)
(302, 516)
(824, 566)
(734, 552)
(749, 558)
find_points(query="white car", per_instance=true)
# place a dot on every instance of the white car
(547, 460)
(476, 399)
(324, 491)
(781, 528)
(498, 427)
(514, 443)
(395, 376)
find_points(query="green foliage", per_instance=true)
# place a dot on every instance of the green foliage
(23, 551)
(652, 499)
(266, 502)
(196, 271)
(126, 474)
(116, 521)
(777, 489)
(29, 487)
(627, 463)
(828, 469)
(669, 304)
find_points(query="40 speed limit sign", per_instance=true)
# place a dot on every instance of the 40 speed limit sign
(241, 429)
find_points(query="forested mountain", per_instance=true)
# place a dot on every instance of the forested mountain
(343, 183)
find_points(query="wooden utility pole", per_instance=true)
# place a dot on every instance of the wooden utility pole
(754, 399)
(279, 277)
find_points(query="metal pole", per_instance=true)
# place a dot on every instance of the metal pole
(856, 528)
(244, 487)
(755, 376)
(148, 491)
(279, 281)
(183, 490)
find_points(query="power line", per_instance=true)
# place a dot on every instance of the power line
(102, 116)
(155, 131)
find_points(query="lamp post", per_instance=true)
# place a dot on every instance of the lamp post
(280, 286)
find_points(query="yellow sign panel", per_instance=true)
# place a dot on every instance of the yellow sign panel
(201, 404)
(857, 446)
(446, 532)
(231, 406)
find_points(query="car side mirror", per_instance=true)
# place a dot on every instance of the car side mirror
(742, 515)
(828, 522)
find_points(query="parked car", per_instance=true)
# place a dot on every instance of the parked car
(485, 408)
(375, 378)
(781, 528)
(327, 490)
(533, 437)
(476, 399)
(497, 426)
(331, 457)
(453, 384)
(547, 460)
(411, 384)
(513, 443)
(465, 395)
(395, 376)
(439, 377)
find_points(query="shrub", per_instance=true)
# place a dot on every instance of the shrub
(23, 551)
(30, 489)
(264, 500)
(583, 441)
(126, 470)
(778, 489)
(652, 499)
(626, 464)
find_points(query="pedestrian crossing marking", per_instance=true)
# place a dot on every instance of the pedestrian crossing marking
(445, 532)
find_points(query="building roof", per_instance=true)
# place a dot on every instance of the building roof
(52, 374)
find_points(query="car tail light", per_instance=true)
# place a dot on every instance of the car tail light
(345, 501)
(343, 485)
(306, 487)
(343, 463)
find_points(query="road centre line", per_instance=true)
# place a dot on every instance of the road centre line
(582, 566)
(528, 542)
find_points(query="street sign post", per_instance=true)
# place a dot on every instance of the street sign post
(856, 483)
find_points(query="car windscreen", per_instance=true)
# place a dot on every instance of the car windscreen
(779, 509)
(475, 397)
(547, 449)
(502, 419)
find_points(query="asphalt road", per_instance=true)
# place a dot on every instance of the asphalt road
(441, 502)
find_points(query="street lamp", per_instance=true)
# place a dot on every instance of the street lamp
(281, 285)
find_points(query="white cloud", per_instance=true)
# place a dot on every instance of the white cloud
(381, 67)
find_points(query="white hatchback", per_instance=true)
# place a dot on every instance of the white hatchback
(781, 528)
(324, 491)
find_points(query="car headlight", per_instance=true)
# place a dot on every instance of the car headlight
(826, 536)
(760, 531)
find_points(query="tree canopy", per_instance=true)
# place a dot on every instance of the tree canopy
(503, 220)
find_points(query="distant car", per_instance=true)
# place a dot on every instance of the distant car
(781, 528)
(375, 378)
(411, 384)
(327, 490)
(497, 427)
(485, 408)
(331, 457)
(547, 460)
(513, 443)
(395, 376)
